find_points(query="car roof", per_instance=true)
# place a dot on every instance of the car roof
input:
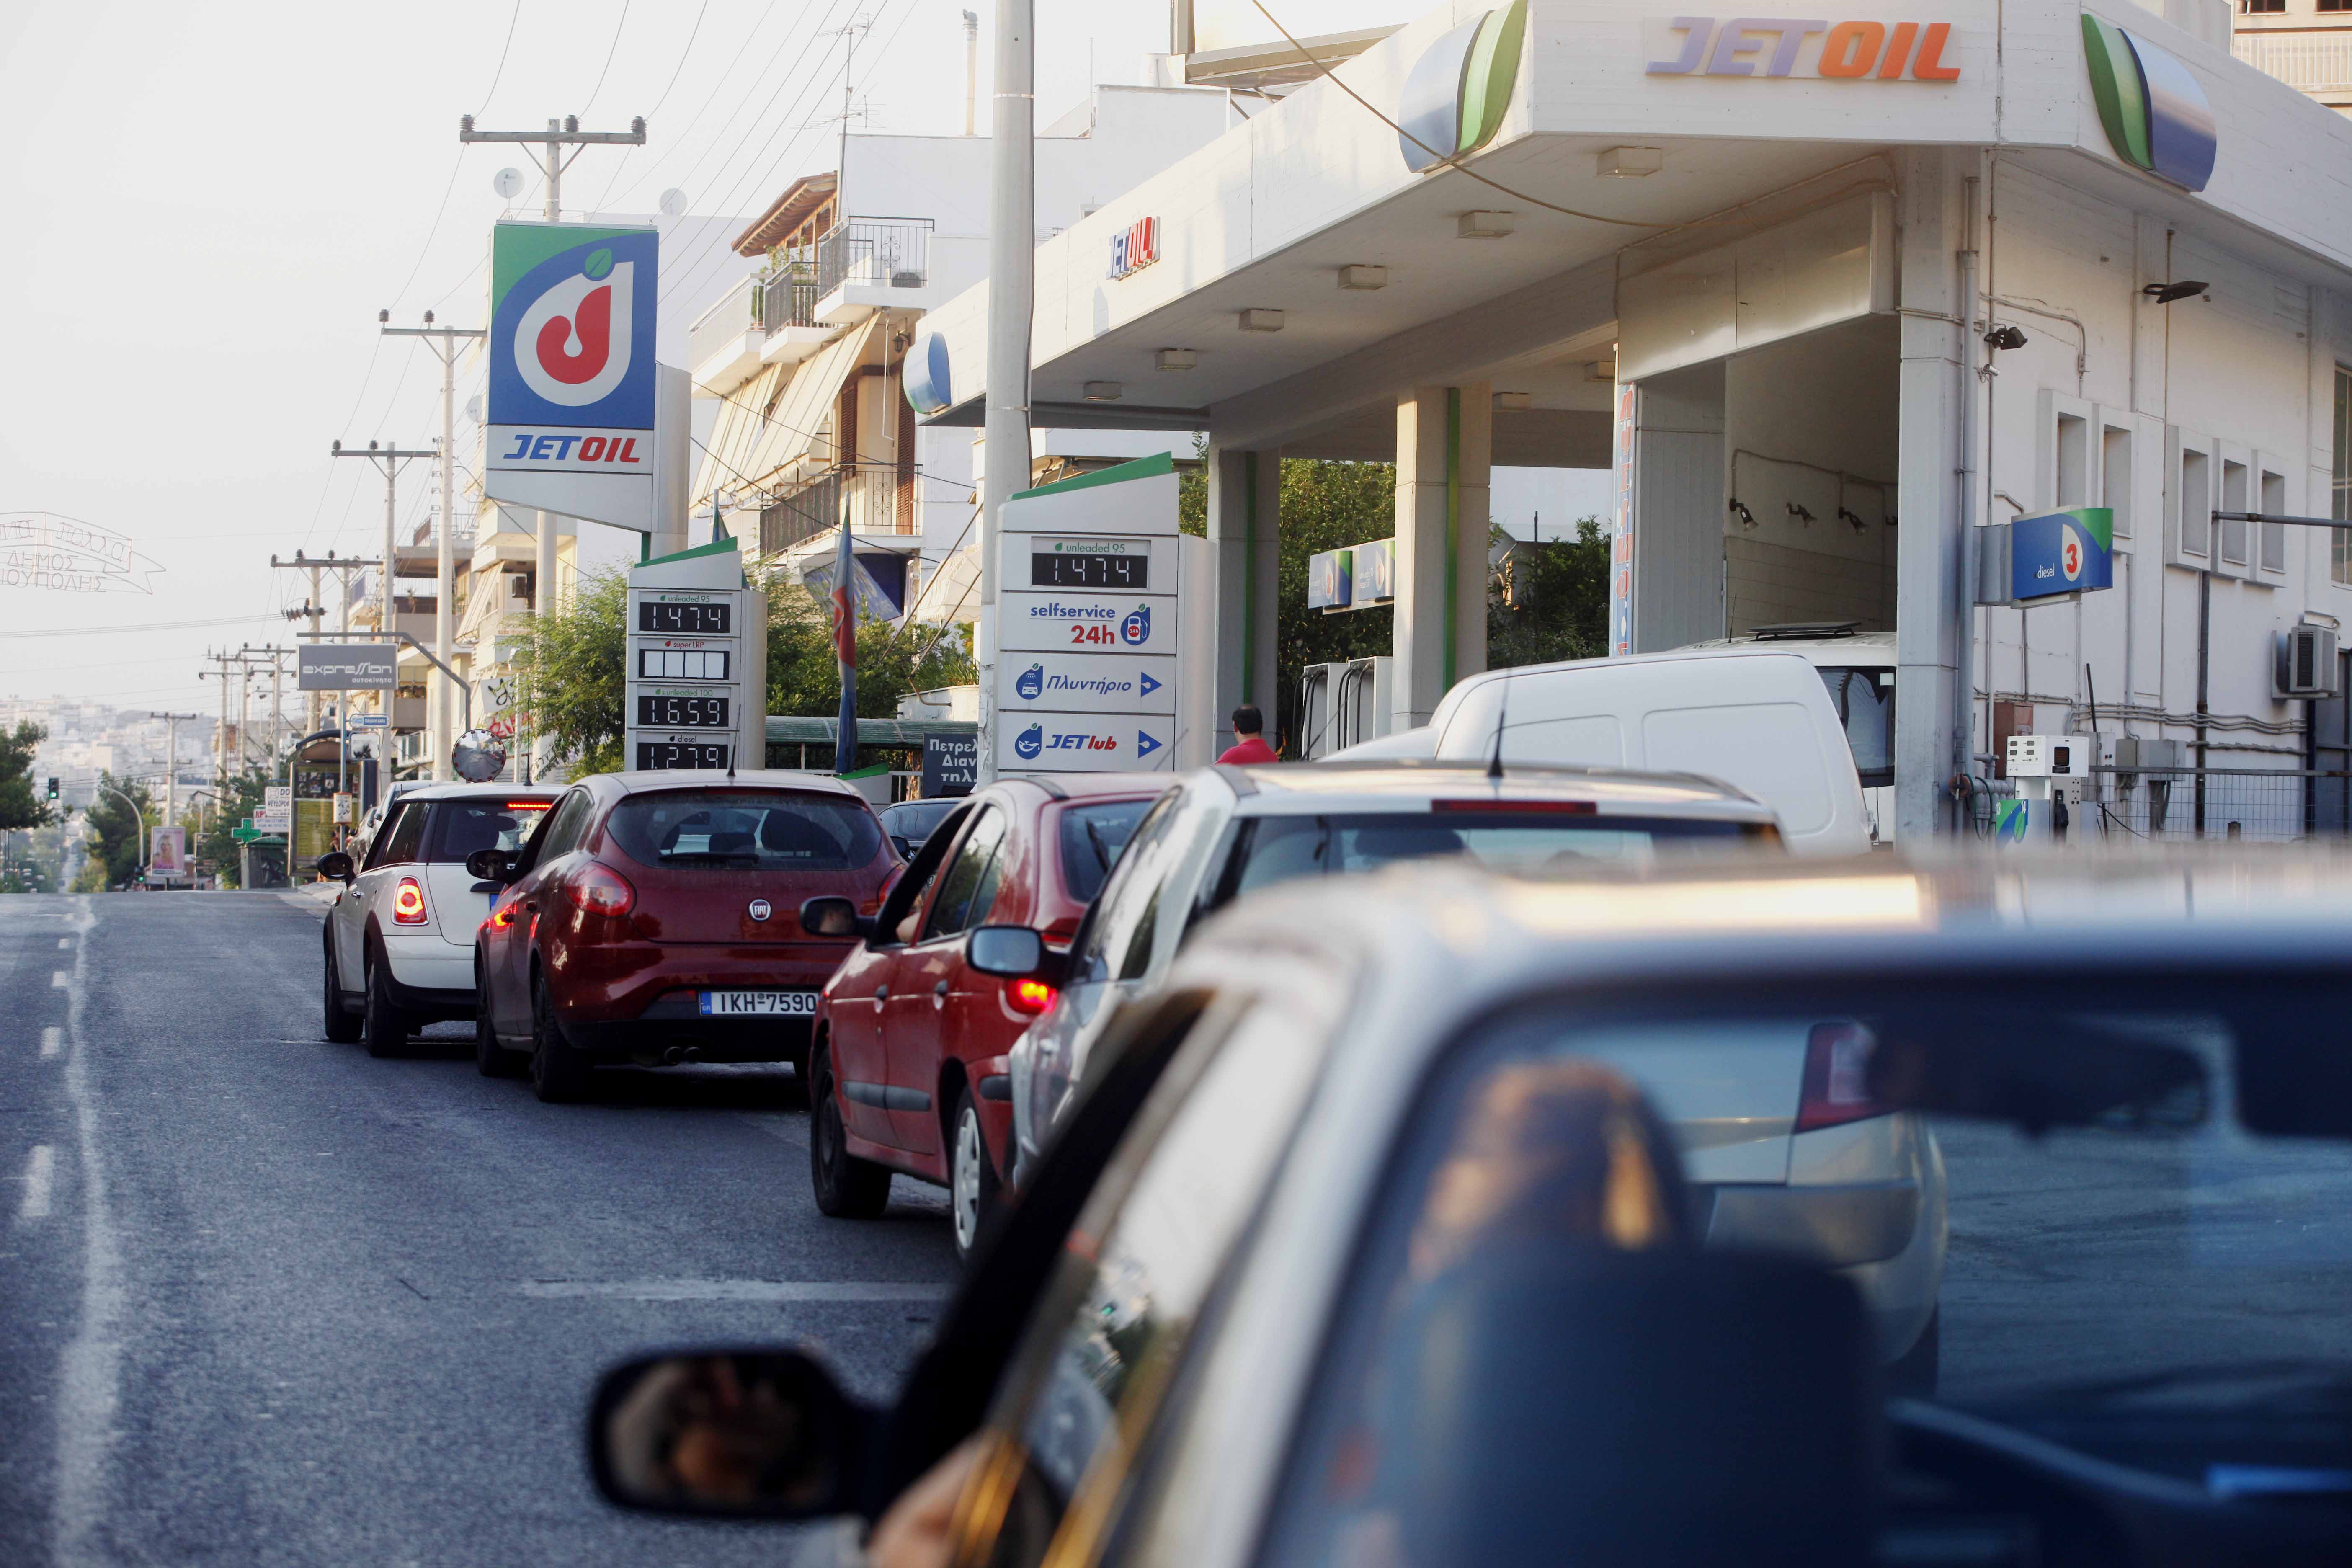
(477, 792)
(1868, 649)
(1073, 786)
(1386, 784)
(634, 783)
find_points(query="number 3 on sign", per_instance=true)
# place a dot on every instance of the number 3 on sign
(1090, 634)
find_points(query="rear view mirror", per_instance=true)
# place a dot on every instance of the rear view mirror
(490, 865)
(2035, 1072)
(834, 916)
(1011, 952)
(753, 1434)
(336, 866)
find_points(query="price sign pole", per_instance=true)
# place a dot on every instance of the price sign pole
(696, 686)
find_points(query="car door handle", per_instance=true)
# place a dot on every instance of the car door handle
(881, 995)
(939, 995)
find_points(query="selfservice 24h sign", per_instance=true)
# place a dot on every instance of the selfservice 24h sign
(572, 390)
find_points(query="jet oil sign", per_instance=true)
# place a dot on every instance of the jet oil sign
(572, 384)
(1805, 47)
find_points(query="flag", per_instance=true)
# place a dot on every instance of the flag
(844, 648)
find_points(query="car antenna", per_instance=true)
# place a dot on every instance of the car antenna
(1502, 707)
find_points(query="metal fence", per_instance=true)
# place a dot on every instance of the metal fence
(2181, 804)
(784, 298)
(881, 252)
(874, 494)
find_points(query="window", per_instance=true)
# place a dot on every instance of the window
(2196, 505)
(2233, 499)
(966, 877)
(2116, 477)
(2340, 560)
(560, 830)
(1091, 839)
(2258, 7)
(2073, 461)
(774, 830)
(2274, 535)
(1111, 922)
(2323, 5)
(462, 826)
(1864, 699)
(397, 841)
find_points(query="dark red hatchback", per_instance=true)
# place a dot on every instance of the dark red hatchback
(654, 918)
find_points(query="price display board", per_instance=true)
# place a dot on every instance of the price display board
(696, 660)
(1130, 573)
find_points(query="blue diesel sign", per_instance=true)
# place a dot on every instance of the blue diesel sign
(2070, 552)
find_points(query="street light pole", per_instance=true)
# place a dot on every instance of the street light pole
(444, 341)
(1011, 285)
(389, 459)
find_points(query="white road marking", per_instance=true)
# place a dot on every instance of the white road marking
(52, 1040)
(61, 980)
(39, 1171)
(761, 1291)
(89, 1375)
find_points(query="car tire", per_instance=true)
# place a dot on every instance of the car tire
(846, 1187)
(383, 1026)
(1911, 1376)
(491, 1059)
(972, 1179)
(341, 1025)
(558, 1075)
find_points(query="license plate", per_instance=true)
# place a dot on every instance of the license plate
(758, 1004)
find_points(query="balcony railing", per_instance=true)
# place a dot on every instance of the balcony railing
(879, 499)
(2320, 64)
(877, 252)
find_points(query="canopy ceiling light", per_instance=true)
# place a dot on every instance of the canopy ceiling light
(1176, 359)
(1630, 163)
(1485, 224)
(1261, 320)
(1361, 277)
(1514, 402)
(1105, 390)
(2004, 337)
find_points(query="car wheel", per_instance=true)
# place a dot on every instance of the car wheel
(846, 1186)
(1912, 1375)
(971, 1178)
(558, 1075)
(385, 1027)
(491, 1059)
(340, 1026)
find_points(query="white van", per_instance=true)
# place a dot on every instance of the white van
(1858, 669)
(1760, 721)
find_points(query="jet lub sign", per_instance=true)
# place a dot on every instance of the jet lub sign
(572, 388)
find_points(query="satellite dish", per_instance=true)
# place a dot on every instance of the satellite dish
(474, 408)
(507, 183)
(478, 756)
(673, 201)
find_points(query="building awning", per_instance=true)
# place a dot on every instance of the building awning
(782, 416)
(786, 213)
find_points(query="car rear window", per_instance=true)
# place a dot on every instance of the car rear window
(460, 828)
(915, 819)
(774, 830)
(1092, 837)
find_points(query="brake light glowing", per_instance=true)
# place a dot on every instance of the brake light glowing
(1837, 1077)
(1030, 996)
(1521, 807)
(598, 890)
(408, 904)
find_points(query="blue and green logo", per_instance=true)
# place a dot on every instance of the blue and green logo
(1456, 94)
(2155, 112)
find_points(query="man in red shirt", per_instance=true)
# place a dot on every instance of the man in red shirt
(1249, 741)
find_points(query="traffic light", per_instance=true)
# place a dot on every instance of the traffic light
(53, 789)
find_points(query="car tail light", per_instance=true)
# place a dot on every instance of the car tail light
(596, 890)
(1837, 1077)
(408, 904)
(1032, 996)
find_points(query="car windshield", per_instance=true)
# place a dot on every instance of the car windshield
(2040, 1195)
(1520, 842)
(1092, 837)
(915, 819)
(773, 830)
(460, 828)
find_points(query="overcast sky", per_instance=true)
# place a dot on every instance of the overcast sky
(206, 206)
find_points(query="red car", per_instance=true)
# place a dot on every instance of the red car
(654, 918)
(907, 1068)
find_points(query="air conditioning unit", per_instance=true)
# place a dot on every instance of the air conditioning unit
(2306, 663)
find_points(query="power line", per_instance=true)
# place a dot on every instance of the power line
(694, 33)
(739, 55)
(500, 74)
(618, 28)
(143, 626)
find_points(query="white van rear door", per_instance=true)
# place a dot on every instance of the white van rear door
(1760, 723)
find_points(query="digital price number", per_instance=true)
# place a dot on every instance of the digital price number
(685, 620)
(1130, 573)
(664, 712)
(657, 755)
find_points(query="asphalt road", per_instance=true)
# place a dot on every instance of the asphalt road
(266, 1301)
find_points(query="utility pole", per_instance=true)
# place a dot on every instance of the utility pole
(389, 459)
(1011, 285)
(276, 657)
(841, 164)
(171, 763)
(444, 341)
(316, 612)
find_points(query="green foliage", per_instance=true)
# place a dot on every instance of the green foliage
(20, 806)
(574, 675)
(117, 837)
(1551, 600)
(240, 800)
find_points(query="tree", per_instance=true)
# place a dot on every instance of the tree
(574, 675)
(118, 835)
(1549, 601)
(243, 796)
(20, 807)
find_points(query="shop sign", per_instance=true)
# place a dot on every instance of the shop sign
(1134, 248)
(2061, 552)
(1456, 92)
(2153, 110)
(1783, 47)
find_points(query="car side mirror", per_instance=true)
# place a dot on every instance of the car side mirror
(905, 850)
(1013, 953)
(835, 916)
(491, 865)
(739, 1433)
(336, 866)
